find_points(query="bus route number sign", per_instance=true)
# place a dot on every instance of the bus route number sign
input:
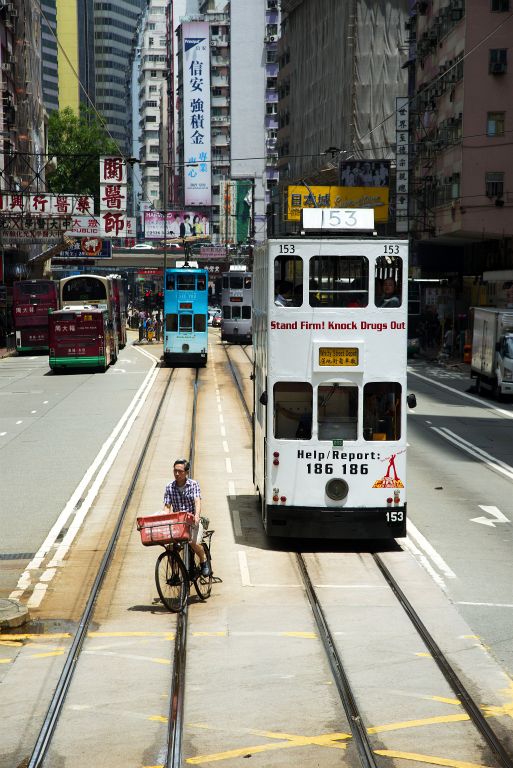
(339, 356)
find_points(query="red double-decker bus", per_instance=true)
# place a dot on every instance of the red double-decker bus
(120, 302)
(81, 337)
(32, 300)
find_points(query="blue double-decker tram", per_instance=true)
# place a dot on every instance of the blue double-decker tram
(185, 316)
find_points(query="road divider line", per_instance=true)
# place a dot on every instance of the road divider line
(237, 527)
(430, 551)
(473, 398)
(244, 570)
(495, 464)
(48, 543)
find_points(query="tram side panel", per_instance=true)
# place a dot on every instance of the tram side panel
(260, 311)
(332, 458)
(186, 317)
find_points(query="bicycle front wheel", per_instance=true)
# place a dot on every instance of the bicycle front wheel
(172, 581)
(202, 584)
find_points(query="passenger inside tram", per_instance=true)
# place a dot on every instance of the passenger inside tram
(382, 411)
(389, 294)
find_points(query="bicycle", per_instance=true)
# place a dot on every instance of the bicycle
(172, 578)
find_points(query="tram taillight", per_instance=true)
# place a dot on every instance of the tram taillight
(275, 498)
(276, 462)
(283, 499)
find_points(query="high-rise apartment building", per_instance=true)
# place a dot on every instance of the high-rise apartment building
(49, 55)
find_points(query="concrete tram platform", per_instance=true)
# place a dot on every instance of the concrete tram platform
(12, 613)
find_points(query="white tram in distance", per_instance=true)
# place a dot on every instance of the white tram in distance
(236, 305)
(330, 344)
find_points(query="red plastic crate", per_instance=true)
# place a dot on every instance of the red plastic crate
(163, 529)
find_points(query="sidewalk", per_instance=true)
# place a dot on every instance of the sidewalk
(4, 352)
(437, 357)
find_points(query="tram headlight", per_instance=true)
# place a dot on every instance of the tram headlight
(337, 489)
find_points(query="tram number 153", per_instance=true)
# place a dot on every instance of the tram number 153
(346, 469)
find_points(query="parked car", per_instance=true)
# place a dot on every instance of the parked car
(142, 247)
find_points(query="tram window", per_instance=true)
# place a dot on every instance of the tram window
(247, 283)
(226, 281)
(185, 282)
(337, 412)
(288, 281)
(387, 282)
(226, 312)
(202, 283)
(293, 410)
(236, 282)
(246, 313)
(84, 289)
(339, 281)
(170, 282)
(235, 313)
(200, 323)
(382, 411)
(186, 323)
(172, 323)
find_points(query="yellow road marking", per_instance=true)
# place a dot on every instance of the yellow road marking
(459, 718)
(456, 702)
(45, 655)
(424, 655)
(6, 661)
(10, 644)
(210, 634)
(428, 759)
(57, 636)
(291, 741)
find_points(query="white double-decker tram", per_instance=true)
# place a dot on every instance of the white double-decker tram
(330, 343)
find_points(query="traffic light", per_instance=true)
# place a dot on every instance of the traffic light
(147, 300)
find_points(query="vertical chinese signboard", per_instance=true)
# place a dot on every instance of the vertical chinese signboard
(196, 113)
(402, 142)
(113, 197)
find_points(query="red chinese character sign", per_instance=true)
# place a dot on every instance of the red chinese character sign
(113, 187)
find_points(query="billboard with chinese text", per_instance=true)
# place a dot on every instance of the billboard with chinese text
(299, 197)
(179, 224)
(196, 113)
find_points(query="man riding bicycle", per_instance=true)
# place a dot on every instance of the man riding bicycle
(183, 495)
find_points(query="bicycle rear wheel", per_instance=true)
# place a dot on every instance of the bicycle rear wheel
(172, 581)
(202, 584)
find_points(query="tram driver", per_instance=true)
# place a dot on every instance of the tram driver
(183, 495)
(285, 293)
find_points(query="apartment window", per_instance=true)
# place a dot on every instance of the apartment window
(215, 30)
(271, 29)
(150, 41)
(272, 82)
(271, 108)
(494, 182)
(495, 123)
(153, 73)
(498, 63)
(153, 88)
(270, 56)
(500, 5)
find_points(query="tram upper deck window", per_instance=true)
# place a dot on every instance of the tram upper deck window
(186, 282)
(170, 282)
(388, 282)
(337, 412)
(293, 410)
(201, 283)
(247, 283)
(339, 281)
(288, 281)
(226, 281)
(236, 282)
(382, 411)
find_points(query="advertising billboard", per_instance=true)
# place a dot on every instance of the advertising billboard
(196, 113)
(179, 224)
(299, 197)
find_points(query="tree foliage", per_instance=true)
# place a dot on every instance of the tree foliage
(77, 142)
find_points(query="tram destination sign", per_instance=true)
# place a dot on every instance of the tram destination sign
(339, 356)
(338, 219)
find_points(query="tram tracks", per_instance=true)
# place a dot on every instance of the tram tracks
(56, 704)
(354, 713)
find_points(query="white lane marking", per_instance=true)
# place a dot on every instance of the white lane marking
(118, 370)
(496, 464)
(225, 447)
(487, 605)
(220, 408)
(33, 411)
(2, 434)
(430, 551)
(231, 489)
(474, 399)
(422, 559)
(244, 570)
(221, 418)
(495, 512)
(54, 532)
(19, 422)
(148, 354)
(45, 402)
(237, 527)
(228, 466)
(218, 398)
(223, 432)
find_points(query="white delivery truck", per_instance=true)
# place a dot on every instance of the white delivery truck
(492, 350)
